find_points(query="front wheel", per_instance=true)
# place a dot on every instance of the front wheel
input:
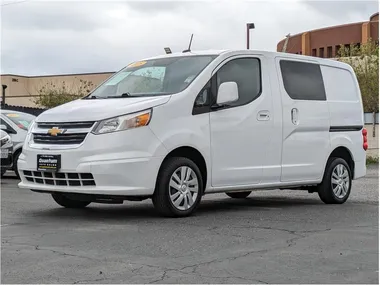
(239, 195)
(15, 159)
(63, 201)
(337, 181)
(179, 188)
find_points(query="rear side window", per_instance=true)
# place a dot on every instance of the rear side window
(340, 84)
(302, 80)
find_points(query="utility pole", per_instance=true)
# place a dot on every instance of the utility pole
(3, 97)
(249, 27)
(286, 43)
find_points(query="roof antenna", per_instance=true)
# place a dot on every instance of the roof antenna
(191, 40)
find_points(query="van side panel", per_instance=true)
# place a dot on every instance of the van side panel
(305, 137)
(343, 97)
(346, 114)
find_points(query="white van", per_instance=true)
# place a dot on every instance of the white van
(175, 127)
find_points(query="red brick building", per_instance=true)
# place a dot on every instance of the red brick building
(326, 42)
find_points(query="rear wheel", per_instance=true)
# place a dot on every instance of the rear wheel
(179, 188)
(63, 201)
(337, 181)
(239, 195)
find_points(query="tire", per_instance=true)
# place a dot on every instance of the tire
(15, 159)
(338, 175)
(169, 184)
(63, 201)
(239, 195)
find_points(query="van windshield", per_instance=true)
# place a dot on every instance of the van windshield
(163, 76)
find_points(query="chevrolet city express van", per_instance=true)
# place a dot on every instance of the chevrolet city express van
(175, 127)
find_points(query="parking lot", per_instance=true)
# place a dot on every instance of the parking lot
(270, 237)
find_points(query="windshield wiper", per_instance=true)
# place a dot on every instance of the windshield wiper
(91, 97)
(125, 95)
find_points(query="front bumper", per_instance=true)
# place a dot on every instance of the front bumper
(124, 163)
(6, 158)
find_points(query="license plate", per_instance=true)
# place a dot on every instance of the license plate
(4, 153)
(48, 162)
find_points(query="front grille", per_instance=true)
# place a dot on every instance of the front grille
(59, 178)
(59, 139)
(66, 125)
(64, 133)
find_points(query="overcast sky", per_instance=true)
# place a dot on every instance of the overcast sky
(55, 37)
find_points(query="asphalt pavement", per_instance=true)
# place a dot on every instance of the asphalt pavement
(270, 237)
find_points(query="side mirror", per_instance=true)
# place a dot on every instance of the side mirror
(227, 93)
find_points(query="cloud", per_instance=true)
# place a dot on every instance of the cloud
(345, 10)
(54, 37)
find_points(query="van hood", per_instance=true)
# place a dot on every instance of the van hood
(99, 109)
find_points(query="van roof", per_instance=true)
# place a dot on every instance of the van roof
(270, 54)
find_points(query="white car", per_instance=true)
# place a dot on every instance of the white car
(16, 124)
(6, 151)
(175, 127)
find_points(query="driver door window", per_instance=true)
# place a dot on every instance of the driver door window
(202, 101)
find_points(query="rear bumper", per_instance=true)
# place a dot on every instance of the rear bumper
(360, 169)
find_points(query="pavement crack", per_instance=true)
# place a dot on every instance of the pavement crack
(161, 278)
(37, 247)
(64, 253)
(88, 280)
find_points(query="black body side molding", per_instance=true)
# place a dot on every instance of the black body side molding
(345, 128)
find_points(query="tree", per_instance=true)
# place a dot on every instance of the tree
(364, 59)
(51, 95)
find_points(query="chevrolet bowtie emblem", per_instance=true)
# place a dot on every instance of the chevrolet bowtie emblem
(55, 131)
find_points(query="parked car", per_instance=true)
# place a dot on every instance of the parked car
(16, 125)
(6, 152)
(176, 127)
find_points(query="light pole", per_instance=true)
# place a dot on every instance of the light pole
(249, 27)
(3, 96)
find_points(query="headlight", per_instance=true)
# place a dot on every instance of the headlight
(122, 123)
(31, 125)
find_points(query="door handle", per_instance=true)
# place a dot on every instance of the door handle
(294, 116)
(263, 116)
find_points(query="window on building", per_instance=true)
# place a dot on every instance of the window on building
(329, 52)
(347, 49)
(302, 80)
(314, 52)
(246, 72)
(337, 50)
(322, 52)
(356, 48)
